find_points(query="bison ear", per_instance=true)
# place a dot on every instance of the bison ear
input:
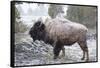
(42, 27)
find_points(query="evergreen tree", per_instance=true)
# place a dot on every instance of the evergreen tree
(54, 10)
(17, 13)
(19, 26)
(83, 14)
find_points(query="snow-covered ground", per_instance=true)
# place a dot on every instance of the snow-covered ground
(40, 53)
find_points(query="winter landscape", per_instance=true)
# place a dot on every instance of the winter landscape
(28, 52)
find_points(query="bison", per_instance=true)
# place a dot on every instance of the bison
(60, 33)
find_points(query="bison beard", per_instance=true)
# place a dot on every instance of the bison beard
(58, 34)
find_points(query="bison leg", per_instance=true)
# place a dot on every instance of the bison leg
(57, 50)
(84, 47)
(63, 51)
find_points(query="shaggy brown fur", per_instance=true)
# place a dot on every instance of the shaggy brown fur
(64, 32)
(67, 33)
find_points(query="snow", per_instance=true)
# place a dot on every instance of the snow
(39, 53)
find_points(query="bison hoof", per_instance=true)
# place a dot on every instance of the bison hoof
(82, 58)
(63, 55)
(55, 57)
(87, 60)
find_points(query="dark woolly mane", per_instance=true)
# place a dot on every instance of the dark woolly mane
(37, 31)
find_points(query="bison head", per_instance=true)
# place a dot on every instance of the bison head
(37, 32)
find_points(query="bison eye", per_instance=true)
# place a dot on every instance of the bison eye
(38, 23)
(42, 27)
